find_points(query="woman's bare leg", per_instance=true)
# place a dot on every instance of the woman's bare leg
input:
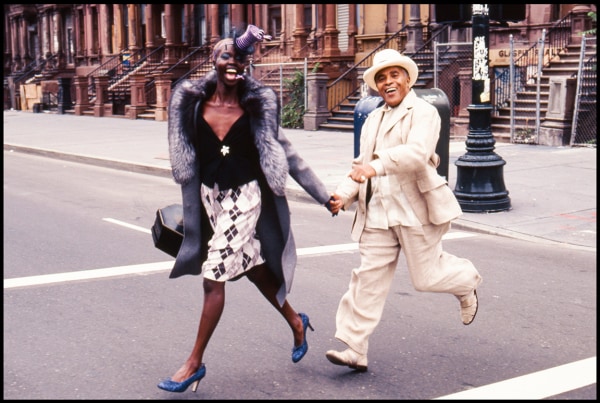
(214, 301)
(268, 285)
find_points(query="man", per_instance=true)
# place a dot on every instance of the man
(403, 204)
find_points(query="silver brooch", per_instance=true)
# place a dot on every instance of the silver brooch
(225, 150)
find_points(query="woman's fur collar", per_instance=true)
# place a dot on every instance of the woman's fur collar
(257, 99)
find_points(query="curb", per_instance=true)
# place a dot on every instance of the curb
(292, 193)
(466, 225)
(86, 159)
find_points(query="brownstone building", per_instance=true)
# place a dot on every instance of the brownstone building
(123, 59)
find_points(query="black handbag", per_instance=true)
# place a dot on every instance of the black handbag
(167, 231)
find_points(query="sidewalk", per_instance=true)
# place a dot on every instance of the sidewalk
(552, 189)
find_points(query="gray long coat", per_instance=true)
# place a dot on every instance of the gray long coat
(277, 159)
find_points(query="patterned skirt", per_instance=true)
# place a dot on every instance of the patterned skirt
(233, 214)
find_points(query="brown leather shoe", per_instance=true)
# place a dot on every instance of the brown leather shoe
(468, 308)
(349, 358)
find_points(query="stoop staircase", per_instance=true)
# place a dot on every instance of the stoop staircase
(342, 117)
(276, 77)
(567, 64)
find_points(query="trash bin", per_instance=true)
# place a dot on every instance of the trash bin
(126, 60)
(434, 96)
(439, 99)
(363, 107)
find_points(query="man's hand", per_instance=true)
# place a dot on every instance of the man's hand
(361, 172)
(334, 204)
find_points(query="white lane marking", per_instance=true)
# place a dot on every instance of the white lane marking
(124, 224)
(450, 235)
(538, 385)
(162, 266)
(319, 250)
(458, 235)
(582, 373)
(138, 269)
(87, 274)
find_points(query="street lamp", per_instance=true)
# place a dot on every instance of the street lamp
(479, 181)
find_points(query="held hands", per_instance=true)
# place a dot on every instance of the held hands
(334, 205)
(361, 172)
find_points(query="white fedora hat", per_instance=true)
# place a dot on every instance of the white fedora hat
(388, 58)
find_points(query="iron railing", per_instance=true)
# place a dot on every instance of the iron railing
(526, 66)
(584, 127)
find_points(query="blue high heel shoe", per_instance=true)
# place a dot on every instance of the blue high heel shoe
(300, 351)
(172, 386)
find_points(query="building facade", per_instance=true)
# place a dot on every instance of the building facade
(122, 59)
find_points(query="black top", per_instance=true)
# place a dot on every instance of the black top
(232, 162)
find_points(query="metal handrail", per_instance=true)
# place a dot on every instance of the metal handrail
(189, 58)
(193, 70)
(113, 61)
(367, 60)
(335, 96)
(118, 72)
(32, 67)
(558, 37)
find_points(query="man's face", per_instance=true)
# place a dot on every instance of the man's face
(392, 84)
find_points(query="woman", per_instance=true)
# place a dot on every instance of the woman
(232, 160)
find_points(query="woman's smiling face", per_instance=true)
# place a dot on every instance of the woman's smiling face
(229, 64)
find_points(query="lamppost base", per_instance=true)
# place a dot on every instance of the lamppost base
(480, 184)
(484, 206)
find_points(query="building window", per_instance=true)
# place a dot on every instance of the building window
(143, 24)
(95, 33)
(308, 14)
(70, 48)
(80, 43)
(274, 16)
(224, 21)
(202, 33)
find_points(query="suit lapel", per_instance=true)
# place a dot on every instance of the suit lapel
(370, 147)
(397, 114)
(394, 116)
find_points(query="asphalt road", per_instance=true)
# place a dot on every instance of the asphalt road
(89, 312)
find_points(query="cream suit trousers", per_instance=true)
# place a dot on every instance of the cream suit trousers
(430, 269)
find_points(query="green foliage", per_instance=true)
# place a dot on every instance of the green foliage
(292, 115)
(591, 32)
(592, 15)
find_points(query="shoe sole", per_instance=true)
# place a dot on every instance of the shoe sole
(476, 309)
(334, 360)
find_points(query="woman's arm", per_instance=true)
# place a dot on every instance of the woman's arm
(301, 172)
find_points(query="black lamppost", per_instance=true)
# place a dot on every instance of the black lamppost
(479, 180)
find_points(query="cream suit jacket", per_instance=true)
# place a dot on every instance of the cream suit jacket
(410, 165)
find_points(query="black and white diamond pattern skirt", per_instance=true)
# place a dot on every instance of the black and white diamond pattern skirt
(234, 247)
